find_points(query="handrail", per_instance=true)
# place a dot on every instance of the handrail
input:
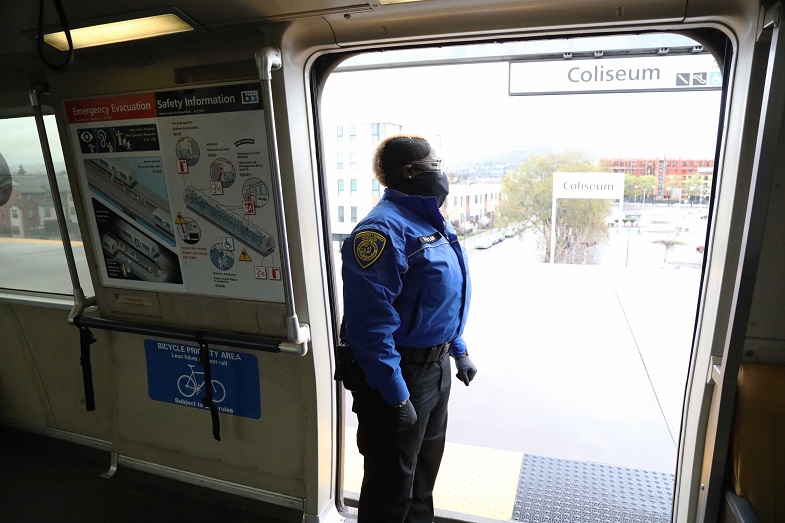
(80, 302)
(203, 338)
(226, 339)
(268, 59)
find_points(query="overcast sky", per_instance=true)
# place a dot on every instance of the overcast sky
(469, 106)
(19, 143)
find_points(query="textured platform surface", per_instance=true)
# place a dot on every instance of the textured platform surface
(557, 490)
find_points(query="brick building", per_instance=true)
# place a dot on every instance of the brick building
(30, 211)
(670, 173)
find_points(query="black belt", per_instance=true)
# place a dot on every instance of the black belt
(423, 354)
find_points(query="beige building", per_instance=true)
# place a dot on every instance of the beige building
(473, 205)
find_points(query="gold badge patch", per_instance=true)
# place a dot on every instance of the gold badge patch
(368, 247)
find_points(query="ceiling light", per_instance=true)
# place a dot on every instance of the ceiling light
(388, 2)
(122, 31)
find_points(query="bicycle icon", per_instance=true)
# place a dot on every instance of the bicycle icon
(188, 385)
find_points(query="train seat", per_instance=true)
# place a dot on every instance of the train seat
(758, 491)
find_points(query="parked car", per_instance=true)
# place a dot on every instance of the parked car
(484, 243)
(700, 248)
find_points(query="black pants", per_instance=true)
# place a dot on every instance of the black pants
(401, 467)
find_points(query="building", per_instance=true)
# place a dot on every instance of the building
(353, 190)
(30, 211)
(473, 205)
(674, 176)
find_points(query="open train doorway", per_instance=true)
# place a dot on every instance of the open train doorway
(584, 303)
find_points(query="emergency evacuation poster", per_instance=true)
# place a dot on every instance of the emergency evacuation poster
(180, 190)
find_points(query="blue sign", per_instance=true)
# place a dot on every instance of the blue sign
(174, 375)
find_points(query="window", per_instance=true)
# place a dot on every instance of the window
(339, 133)
(376, 188)
(375, 131)
(353, 133)
(340, 187)
(340, 161)
(353, 187)
(19, 145)
(340, 213)
(354, 214)
(352, 160)
(622, 249)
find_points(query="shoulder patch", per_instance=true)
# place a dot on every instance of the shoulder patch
(368, 247)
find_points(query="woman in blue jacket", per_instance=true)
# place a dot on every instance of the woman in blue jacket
(406, 298)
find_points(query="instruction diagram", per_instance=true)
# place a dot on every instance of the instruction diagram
(180, 189)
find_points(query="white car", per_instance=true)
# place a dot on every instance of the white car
(486, 242)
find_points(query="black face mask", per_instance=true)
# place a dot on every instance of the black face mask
(427, 183)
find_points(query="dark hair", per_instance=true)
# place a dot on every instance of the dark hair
(396, 151)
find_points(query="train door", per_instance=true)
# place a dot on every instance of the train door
(581, 180)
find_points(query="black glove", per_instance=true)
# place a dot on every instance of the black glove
(466, 369)
(404, 415)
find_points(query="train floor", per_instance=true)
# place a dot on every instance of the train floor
(49, 480)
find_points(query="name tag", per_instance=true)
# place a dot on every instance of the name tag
(430, 238)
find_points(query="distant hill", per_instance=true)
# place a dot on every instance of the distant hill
(511, 157)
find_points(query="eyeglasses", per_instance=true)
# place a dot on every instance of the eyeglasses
(425, 165)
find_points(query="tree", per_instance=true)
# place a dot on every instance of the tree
(640, 186)
(697, 188)
(668, 243)
(526, 199)
(631, 186)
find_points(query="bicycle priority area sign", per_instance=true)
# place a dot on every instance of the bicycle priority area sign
(175, 375)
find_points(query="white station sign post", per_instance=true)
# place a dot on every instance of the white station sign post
(587, 185)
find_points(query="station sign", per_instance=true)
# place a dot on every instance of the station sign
(692, 72)
(589, 185)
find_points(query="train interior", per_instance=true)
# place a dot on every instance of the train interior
(173, 199)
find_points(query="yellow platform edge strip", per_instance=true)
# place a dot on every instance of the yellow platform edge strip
(478, 481)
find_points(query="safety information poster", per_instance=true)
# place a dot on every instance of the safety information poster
(180, 190)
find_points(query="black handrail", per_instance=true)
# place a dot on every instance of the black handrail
(202, 337)
(226, 339)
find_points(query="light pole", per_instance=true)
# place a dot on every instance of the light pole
(644, 192)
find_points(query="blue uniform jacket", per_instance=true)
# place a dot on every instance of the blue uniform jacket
(405, 283)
